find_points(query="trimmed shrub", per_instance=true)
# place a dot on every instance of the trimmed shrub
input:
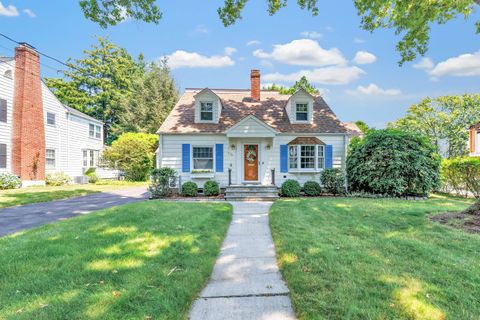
(160, 182)
(189, 189)
(9, 181)
(92, 177)
(211, 188)
(290, 188)
(462, 175)
(90, 170)
(133, 153)
(57, 179)
(333, 181)
(312, 188)
(394, 163)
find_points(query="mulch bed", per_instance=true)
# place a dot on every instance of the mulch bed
(459, 220)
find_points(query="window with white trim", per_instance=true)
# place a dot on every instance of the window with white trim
(94, 131)
(306, 157)
(202, 158)
(51, 119)
(50, 158)
(3, 110)
(90, 158)
(206, 111)
(301, 112)
(3, 155)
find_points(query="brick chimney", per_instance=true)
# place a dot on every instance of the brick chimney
(28, 135)
(255, 84)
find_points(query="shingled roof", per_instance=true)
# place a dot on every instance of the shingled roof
(237, 104)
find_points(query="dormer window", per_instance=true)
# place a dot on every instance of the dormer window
(301, 112)
(206, 111)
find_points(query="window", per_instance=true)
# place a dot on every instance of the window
(51, 121)
(8, 74)
(203, 158)
(302, 112)
(90, 158)
(50, 158)
(95, 131)
(206, 111)
(3, 110)
(306, 157)
(3, 155)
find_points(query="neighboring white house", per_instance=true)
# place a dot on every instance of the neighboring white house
(251, 136)
(474, 140)
(68, 140)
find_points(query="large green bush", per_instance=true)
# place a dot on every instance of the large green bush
(134, 154)
(57, 179)
(290, 188)
(189, 189)
(9, 181)
(394, 163)
(211, 188)
(333, 181)
(462, 175)
(312, 188)
(160, 180)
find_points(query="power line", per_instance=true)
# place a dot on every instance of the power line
(43, 64)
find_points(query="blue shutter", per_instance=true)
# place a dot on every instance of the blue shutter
(185, 157)
(328, 156)
(283, 158)
(219, 157)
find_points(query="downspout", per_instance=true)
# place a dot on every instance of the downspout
(345, 143)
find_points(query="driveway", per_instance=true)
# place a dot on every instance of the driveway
(20, 218)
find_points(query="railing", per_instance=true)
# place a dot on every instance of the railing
(229, 176)
(272, 173)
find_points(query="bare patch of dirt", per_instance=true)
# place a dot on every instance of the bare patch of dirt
(459, 220)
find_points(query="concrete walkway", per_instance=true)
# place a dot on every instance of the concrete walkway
(246, 282)
(19, 218)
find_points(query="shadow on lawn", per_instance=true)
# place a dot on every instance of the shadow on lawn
(22, 198)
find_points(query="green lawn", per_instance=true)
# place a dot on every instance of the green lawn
(346, 258)
(137, 261)
(29, 195)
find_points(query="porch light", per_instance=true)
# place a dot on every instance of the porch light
(268, 147)
(232, 147)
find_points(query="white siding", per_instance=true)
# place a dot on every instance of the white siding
(6, 92)
(250, 127)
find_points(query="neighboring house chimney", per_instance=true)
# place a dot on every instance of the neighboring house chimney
(255, 84)
(28, 134)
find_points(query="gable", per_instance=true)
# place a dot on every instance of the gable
(250, 126)
(207, 96)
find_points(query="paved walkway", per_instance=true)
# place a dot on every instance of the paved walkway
(246, 282)
(19, 218)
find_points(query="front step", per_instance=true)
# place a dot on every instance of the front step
(251, 193)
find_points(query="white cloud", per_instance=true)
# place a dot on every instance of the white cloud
(253, 43)
(199, 29)
(184, 59)
(464, 65)
(327, 75)
(8, 11)
(424, 64)
(329, 28)
(358, 40)
(312, 34)
(303, 52)
(29, 13)
(228, 51)
(374, 90)
(266, 63)
(364, 57)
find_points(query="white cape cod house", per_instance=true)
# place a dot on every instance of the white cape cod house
(244, 137)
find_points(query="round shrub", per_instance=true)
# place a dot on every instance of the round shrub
(211, 188)
(290, 188)
(311, 188)
(333, 180)
(92, 177)
(9, 181)
(57, 179)
(462, 175)
(189, 189)
(394, 163)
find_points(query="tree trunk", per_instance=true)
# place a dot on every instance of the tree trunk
(474, 209)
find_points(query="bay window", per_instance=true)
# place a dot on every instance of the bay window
(306, 157)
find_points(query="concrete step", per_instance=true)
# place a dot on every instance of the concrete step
(251, 189)
(251, 194)
(264, 198)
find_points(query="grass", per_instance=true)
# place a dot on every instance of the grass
(347, 258)
(147, 260)
(16, 197)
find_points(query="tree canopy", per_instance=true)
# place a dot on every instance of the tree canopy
(410, 19)
(300, 84)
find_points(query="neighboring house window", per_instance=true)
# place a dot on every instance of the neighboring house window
(8, 74)
(206, 111)
(50, 158)
(301, 111)
(3, 155)
(3, 110)
(202, 158)
(306, 157)
(51, 121)
(95, 131)
(90, 158)
(85, 158)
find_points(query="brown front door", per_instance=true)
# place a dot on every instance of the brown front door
(250, 162)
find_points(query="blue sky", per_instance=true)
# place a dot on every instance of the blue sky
(368, 86)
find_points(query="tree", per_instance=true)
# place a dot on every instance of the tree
(362, 126)
(444, 120)
(98, 83)
(154, 96)
(300, 84)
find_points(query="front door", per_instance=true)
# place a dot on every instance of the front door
(250, 162)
